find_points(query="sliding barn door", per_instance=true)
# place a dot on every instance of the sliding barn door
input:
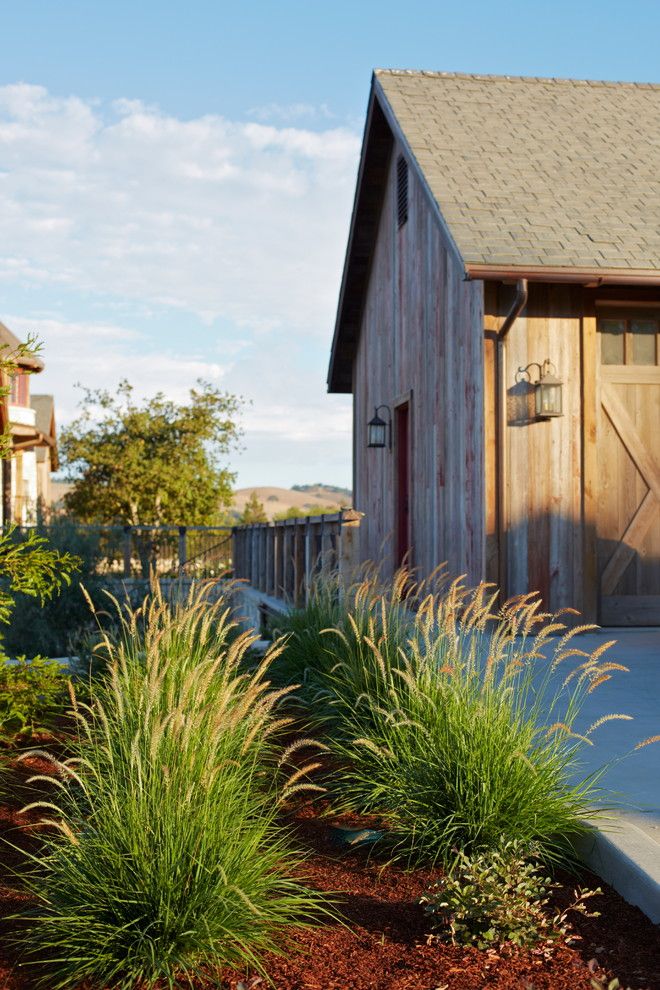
(628, 456)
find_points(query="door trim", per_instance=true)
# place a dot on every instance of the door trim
(590, 404)
(403, 485)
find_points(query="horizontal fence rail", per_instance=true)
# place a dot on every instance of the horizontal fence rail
(283, 558)
(144, 551)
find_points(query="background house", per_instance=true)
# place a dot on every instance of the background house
(45, 452)
(500, 222)
(26, 475)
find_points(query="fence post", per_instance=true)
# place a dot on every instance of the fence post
(288, 576)
(270, 555)
(329, 559)
(183, 549)
(128, 550)
(348, 549)
(252, 571)
(263, 557)
(308, 560)
(237, 552)
(299, 564)
(277, 559)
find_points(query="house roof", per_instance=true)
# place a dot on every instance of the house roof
(9, 344)
(44, 407)
(547, 178)
(531, 172)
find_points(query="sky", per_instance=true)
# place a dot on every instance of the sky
(176, 183)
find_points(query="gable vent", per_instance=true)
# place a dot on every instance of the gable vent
(401, 190)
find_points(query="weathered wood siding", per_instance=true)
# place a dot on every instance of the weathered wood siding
(422, 336)
(545, 534)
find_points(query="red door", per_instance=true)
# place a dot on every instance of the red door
(402, 453)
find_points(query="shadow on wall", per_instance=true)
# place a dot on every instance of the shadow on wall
(547, 553)
(566, 562)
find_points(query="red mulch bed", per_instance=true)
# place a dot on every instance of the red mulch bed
(384, 944)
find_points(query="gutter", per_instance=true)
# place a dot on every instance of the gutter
(580, 276)
(519, 303)
(36, 439)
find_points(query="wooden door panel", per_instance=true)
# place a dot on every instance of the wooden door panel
(628, 525)
(629, 610)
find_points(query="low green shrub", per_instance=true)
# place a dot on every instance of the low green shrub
(606, 984)
(32, 692)
(168, 858)
(500, 896)
(54, 627)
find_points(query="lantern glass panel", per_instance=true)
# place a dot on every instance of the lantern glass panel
(548, 399)
(376, 433)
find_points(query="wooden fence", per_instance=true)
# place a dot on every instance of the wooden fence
(281, 559)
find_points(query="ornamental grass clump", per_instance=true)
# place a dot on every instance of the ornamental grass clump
(328, 642)
(465, 735)
(167, 858)
(306, 656)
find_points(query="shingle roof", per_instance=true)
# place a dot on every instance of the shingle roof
(44, 407)
(537, 172)
(9, 345)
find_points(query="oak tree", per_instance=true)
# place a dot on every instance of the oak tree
(155, 462)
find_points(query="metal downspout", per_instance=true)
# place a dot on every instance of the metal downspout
(519, 303)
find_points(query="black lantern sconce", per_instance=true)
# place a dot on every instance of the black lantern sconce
(379, 431)
(547, 389)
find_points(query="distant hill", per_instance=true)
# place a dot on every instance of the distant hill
(319, 487)
(277, 500)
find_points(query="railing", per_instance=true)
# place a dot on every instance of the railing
(176, 551)
(142, 551)
(205, 551)
(281, 559)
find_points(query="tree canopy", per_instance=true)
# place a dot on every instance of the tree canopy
(154, 462)
(253, 511)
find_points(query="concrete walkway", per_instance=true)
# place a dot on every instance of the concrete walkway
(626, 850)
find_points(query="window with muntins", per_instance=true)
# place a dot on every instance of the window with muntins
(630, 338)
(20, 393)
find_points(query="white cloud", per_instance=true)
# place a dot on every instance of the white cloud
(293, 430)
(99, 355)
(239, 220)
(130, 211)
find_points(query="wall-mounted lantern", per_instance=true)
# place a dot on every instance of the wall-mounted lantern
(547, 389)
(379, 431)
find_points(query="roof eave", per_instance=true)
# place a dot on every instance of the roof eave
(380, 115)
(580, 276)
(337, 380)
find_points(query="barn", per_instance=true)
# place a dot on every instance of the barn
(499, 329)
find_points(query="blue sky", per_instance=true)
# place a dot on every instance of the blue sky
(176, 182)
